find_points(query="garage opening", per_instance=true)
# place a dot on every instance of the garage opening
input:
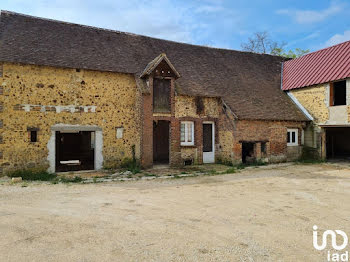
(75, 150)
(161, 142)
(338, 143)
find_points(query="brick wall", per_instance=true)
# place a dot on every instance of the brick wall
(183, 108)
(274, 133)
(229, 132)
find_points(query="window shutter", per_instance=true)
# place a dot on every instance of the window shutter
(331, 94)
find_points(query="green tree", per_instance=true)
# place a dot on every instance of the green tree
(298, 52)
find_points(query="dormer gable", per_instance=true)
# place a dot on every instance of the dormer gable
(160, 67)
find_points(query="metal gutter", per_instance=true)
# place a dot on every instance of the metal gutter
(295, 100)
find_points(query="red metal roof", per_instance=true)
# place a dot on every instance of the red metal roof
(325, 65)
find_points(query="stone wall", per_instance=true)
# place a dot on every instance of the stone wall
(40, 97)
(315, 100)
(185, 106)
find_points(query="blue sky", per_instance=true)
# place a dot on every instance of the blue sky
(308, 24)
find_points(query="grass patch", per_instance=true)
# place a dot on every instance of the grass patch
(258, 163)
(224, 162)
(33, 174)
(65, 179)
(255, 163)
(309, 161)
(241, 166)
(309, 155)
(230, 170)
(149, 175)
(131, 165)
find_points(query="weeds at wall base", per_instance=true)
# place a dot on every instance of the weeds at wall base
(32, 174)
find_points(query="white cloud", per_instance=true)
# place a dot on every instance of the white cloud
(312, 16)
(338, 38)
(302, 39)
(150, 18)
(185, 21)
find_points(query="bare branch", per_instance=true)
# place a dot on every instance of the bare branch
(261, 43)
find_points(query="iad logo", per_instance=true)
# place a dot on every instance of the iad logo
(333, 235)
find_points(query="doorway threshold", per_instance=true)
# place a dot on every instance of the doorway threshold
(160, 166)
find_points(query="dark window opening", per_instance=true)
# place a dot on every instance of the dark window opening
(33, 136)
(338, 93)
(161, 95)
(248, 154)
(199, 105)
(188, 162)
(263, 148)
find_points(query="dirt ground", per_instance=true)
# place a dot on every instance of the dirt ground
(258, 214)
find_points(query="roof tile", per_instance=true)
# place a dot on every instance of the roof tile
(249, 83)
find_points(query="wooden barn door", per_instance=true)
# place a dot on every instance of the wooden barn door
(161, 142)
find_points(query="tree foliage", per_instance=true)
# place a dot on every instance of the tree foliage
(261, 43)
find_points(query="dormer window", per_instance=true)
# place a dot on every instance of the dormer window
(161, 95)
(163, 72)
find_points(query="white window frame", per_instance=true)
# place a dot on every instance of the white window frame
(296, 131)
(186, 142)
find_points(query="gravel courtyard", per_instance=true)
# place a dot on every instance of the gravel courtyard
(258, 214)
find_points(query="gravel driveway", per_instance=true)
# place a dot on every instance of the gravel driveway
(260, 214)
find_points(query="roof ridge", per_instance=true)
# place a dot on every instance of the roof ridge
(128, 33)
(320, 50)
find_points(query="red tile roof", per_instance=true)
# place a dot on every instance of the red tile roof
(325, 65)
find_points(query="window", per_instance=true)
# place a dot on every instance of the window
(263, 148)
(161, 95)
(338, 93)
(33, 136)
(292, 137)
(187, 134)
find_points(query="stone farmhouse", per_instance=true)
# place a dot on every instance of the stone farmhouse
(75, 97)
